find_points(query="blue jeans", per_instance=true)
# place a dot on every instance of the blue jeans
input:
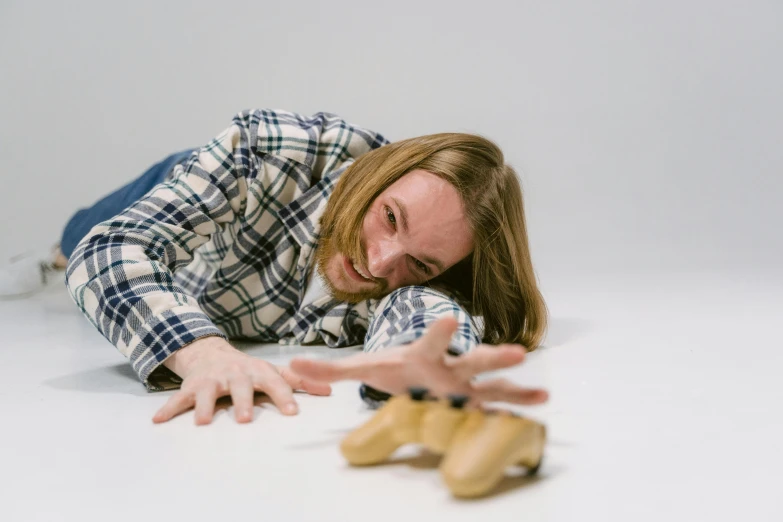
(113, 204)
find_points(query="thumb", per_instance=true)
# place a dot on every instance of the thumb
(321, 371)
(435, 341)
(300, 382)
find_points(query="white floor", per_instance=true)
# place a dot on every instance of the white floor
(665, 406)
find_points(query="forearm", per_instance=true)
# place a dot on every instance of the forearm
(121, 275)
(404, 316)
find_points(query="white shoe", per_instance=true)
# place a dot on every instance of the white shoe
(25, 274)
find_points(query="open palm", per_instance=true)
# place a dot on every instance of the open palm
(425, 363)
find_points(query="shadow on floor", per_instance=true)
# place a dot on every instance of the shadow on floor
(514, 479)
(116, 378)
(120, 378)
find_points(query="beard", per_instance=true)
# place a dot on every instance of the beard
(324, 253)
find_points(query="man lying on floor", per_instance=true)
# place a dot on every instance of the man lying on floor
(307, 229)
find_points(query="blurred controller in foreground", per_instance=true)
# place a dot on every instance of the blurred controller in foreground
(477, 445)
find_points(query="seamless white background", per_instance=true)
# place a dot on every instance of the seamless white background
(648, 139)
(646, 134)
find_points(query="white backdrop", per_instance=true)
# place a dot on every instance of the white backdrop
(648, 137)
(647, 134)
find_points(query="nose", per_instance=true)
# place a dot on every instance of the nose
(382, 258)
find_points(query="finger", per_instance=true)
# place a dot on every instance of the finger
(278, 390)
(205, 404)
(436, 339)
(242, 392)
(350, 368)
(297, 382)
(177, 403)
(503, 390)
(487, 358)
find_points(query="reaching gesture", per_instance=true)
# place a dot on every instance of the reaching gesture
(212, 368)
(425, 363)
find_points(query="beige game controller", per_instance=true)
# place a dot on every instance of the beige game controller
(477, 445)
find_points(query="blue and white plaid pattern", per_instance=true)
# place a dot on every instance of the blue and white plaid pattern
(224, 246)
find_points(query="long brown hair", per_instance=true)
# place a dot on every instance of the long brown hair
(497, 280)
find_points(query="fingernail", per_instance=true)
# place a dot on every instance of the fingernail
(289, 409)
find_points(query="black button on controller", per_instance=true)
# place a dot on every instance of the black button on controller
(458, 401)
(418, 393)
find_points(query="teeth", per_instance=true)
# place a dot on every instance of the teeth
(361, 272)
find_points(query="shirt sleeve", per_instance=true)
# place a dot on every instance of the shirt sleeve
(405, 315)
(121, 275)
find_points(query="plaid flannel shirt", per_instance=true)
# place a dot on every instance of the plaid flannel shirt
(223, 247)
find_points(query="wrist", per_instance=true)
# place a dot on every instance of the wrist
(183, 360)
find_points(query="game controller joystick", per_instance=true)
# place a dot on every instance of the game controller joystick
(395, 424)
(477, 446)
(485, 445)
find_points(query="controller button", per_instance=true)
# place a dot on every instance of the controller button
(458, 401)
(418, 393)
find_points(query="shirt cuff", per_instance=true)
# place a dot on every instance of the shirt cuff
(161, 337)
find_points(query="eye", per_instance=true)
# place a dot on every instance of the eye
(421, 266)
(390, 216)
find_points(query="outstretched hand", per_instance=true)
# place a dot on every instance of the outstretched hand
(212, 368)
(425, 363)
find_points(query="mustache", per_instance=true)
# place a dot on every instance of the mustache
(362, 260)
(327, 248)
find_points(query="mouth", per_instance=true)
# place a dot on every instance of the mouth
(356, 272)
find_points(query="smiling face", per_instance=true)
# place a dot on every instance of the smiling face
(413, 231)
